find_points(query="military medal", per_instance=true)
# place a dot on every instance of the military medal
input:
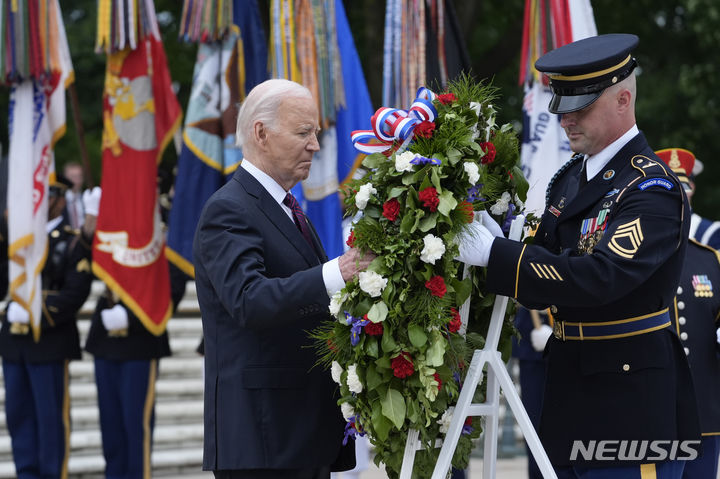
(702, 286)
(592, 230)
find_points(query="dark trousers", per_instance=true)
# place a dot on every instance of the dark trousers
(308, 473)
(663, 470)
(37, 408)
(707, 464)
(126, 399)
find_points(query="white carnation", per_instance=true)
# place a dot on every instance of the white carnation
(347, 410)
(472, 171)
(402, 161)
(444, 421)
(336, 371)
(353, 381)
(363, 195)
(372, 283)
(501, 206)
(336, 302)
(433, 250)
(518, 202)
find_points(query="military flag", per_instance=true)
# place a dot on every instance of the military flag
(140, 115)
(35, 59)
(231, 60)
(548, 24)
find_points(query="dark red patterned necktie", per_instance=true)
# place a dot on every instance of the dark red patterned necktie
(299, 217)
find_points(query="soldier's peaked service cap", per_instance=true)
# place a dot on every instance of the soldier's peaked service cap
(580, 71)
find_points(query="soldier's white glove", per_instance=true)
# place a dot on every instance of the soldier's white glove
(488, 222)
(539, 337)
(717, 334)
(91, 201)
(17, 314)
(114, 318)
(475, 243)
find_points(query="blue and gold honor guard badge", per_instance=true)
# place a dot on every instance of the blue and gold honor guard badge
(592, 230)
(702, 286)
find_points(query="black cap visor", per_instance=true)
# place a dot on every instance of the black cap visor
(560, 104)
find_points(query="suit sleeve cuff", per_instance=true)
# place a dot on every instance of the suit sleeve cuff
(504, 267)
(332, 277)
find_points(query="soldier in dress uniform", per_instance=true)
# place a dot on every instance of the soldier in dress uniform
(127, 357)
(606, 260)
(36, 372)
(703, 230)
(695, 315)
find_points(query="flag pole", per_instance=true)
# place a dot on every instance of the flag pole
(80, 131)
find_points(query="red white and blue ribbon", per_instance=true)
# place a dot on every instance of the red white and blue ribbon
(392, 124)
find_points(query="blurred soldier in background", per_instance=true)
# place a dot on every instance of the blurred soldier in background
(76, 212)
(36, 373)
(695, 318)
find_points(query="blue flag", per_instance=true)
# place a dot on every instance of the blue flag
(338, 159)
(209, 156)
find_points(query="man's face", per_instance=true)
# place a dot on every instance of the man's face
(591, 129)
(75, 175)
(292, 141)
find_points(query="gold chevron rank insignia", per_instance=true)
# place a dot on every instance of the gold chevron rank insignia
(627, 239)
(546, 271)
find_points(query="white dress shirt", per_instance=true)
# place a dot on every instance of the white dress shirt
(332, 277)
(597, 162)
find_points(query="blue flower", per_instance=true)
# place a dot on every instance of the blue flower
(467, 429)
(421, 160)
(351, 430)
(509, 218)
(356, 325)
(473, 193)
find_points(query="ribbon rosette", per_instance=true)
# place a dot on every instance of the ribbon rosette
(392, 124)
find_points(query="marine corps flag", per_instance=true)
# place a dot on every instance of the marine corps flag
(140, 115)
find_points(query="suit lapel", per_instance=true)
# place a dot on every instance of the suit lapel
(603, 182)
(274, 212)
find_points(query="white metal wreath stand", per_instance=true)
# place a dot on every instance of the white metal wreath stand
(497, 378)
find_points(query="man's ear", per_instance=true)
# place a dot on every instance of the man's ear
(260, 133)
(624, 99)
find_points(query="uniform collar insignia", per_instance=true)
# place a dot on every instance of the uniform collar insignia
(608, 174)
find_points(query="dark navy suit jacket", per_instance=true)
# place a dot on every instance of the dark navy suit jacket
(261, 291)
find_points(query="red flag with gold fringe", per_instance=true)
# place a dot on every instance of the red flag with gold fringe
(140, 116)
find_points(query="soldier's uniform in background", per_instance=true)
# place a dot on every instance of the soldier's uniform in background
(126, 368)
(695, 314)
(36, 373)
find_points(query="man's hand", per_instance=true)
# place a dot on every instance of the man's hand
(17, 314)
(115, 318)
(539, 337)
(487, 221)
(352, 262)
(91, 201)
(475, 244)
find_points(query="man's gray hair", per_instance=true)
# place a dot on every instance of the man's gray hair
(262, 104)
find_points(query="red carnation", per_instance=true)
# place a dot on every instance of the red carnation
(429, 198)
(374, 329)
(439, 381)
(391, 209)
(454, 324)
(466, 209)
(425, 129)
(436, 285)
(447, 98)
(489, 150)
(468, 421)
(351, 239)
(402, 365)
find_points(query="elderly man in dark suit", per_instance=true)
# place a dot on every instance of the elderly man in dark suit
(263, 283)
